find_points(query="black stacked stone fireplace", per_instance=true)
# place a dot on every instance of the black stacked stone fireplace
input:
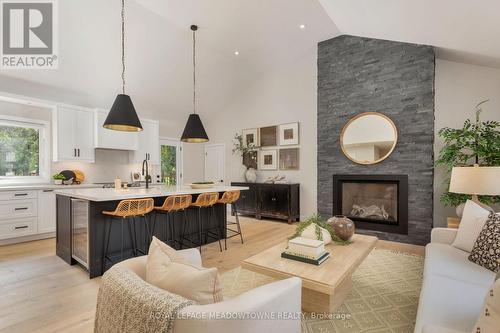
(373, 202)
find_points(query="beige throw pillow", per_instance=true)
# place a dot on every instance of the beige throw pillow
(489, 319)
(166, 269)
(473, 219)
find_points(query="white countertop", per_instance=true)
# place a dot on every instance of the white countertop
(46, 187)
(111, 194)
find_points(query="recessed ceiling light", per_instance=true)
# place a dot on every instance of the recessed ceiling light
(236, 52)
(302, 26)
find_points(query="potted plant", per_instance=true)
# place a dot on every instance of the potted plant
(248, 154)
(475, 143)
(58, 178)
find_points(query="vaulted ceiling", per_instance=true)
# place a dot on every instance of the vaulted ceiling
(266, 34)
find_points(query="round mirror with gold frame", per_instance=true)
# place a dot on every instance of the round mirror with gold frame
(368, 138)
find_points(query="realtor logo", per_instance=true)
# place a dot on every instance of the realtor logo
(29, 39)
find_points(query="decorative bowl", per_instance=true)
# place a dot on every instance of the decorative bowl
(342, 226)
(201, 185)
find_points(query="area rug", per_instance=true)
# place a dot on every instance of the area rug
(384, 298)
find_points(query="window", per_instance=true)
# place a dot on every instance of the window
(171, 162)
(23, 150)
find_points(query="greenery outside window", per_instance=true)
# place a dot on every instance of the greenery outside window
(24, 151)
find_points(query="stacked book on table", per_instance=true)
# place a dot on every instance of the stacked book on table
(306, 250)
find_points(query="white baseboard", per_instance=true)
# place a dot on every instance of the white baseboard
(27, 238)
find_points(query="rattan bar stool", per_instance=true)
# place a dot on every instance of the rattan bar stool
(127, 210)
(230, 198)
(172, 205)
(204, 200)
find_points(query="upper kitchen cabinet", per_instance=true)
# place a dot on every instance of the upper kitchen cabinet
(148, 143)
(73, 134)
(110, 139)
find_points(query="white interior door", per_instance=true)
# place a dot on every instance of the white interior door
(215, 161)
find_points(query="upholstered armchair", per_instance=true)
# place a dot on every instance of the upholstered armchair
(279, 299)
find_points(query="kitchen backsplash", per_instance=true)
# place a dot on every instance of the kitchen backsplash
(108, 165)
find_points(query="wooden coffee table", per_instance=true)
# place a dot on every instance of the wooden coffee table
(324, 287)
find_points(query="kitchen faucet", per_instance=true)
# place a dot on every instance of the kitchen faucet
(145, 170)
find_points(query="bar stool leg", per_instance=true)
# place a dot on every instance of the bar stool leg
(121, 247)
(217, 227)
(200, 232)
(238, 222)
(134, 248)
(107, 232)
(183, 234)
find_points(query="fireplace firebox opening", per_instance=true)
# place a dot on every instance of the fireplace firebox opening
(373, 202)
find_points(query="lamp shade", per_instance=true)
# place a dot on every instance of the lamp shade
(122, 116)
(475, 180)
(194, 132)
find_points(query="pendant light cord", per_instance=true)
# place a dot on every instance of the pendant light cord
(123, 47)
(194, 70)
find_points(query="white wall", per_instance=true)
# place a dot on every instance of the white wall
(283, 96)
(459, 87)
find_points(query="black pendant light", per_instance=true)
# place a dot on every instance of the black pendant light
(194, 132)
(122, 116)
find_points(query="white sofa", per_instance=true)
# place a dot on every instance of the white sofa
(453, 289)
(278, 298)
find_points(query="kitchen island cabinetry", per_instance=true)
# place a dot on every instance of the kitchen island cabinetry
(81, 224)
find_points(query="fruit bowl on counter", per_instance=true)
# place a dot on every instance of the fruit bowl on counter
(201, 185)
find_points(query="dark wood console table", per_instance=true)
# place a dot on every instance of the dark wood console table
(280, 201)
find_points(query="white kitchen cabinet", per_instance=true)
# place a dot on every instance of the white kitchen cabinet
(73, 134)
(18, 214)
(46, 211)
(110, 139)
(148, 143)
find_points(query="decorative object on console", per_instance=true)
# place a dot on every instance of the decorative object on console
(289, 134)
(342, 226)
(476, 181)
(289, 159)
(478, 144)
(368, 138)
(268, 136)
(247, 150)
(319, 225)
(250, 159)
(194, 132)
(251, 175)
(486, 250)
(122, 116)
(274, 179)
(268, 159)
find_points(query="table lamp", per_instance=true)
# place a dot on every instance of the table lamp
(476, 180)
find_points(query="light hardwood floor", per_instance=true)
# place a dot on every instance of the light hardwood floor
(41, 293)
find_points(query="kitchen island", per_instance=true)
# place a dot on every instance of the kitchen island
(81, 224)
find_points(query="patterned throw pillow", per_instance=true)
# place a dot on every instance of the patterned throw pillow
(486, 250)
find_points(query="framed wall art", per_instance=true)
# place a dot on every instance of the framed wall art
(268, 136)
(268, 159)
(289, 159)
(250, 136)
(289, 134)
